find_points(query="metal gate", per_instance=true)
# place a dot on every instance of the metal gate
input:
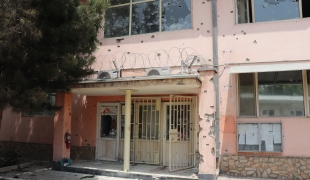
(146, 135)
(182, 123)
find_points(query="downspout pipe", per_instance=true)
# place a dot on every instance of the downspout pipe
(216, 76)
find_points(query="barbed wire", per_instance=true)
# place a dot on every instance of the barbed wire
(160, 58)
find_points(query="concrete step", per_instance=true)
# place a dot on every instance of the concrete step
(115, 173)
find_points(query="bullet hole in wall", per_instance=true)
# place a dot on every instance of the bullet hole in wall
(152, 36)
(119, 40)
(118, 46)
(141, 41)
(203, 2)
(201, 23)
(201, 159)
(213, 151)
(204, 137)
(85, 140)
(255, 42)
(197, 29)
(109, 50)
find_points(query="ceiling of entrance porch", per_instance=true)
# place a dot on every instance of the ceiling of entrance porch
(139, 86)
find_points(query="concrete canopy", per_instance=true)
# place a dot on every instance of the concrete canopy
(188, 84)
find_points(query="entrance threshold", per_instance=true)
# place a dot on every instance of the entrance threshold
(137, 171)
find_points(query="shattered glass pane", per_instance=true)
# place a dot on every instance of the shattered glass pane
(117, 2)
(272, 10)
(117, 22)
(176, 14)
(145, 17)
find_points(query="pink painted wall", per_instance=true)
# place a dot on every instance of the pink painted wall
(16, 128)
(84, 118)
(207, 145)
(140, 51)
(277, 41)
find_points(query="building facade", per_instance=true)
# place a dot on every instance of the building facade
(183, 83)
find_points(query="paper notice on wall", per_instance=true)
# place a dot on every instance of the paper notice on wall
(269, 142)
(270, 127)
(241, 128)
(252, 134)
(277, 133)
(263, 132)
(241, 139)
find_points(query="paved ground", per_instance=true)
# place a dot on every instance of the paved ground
(42, 171)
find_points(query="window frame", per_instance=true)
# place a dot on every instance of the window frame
(253, 12)
(37, 114)
(256, 94)
(259, 137)
(131, 3)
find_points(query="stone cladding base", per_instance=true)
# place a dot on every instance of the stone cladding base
(265, 166)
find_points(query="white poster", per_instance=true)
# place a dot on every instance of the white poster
(252, 134)
(269, 142)
(263, 132)
(277, 133)
(241, 128)
(241, 140)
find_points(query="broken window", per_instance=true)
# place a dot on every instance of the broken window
(270, 10)
(109, 126)
(176, 14)
(117, 22)
(143, 16)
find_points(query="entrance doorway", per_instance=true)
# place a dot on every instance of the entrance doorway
(161, 133)
(107, 128)
(179, 142)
